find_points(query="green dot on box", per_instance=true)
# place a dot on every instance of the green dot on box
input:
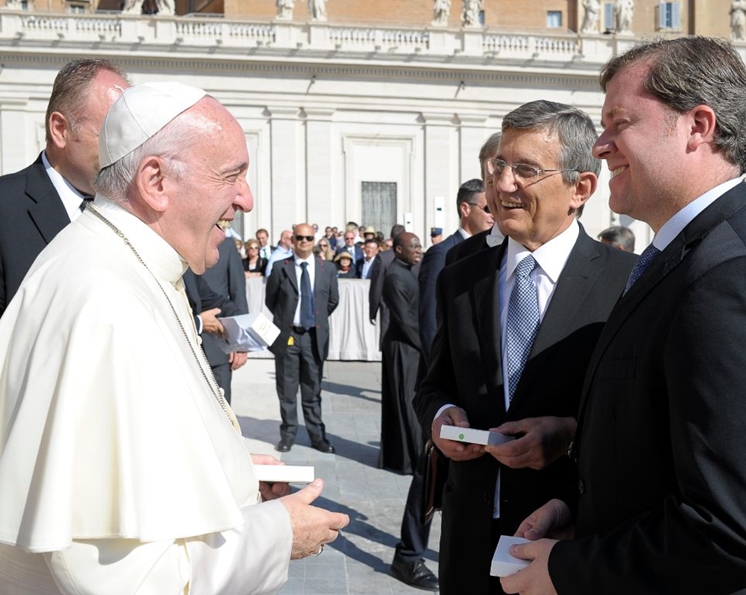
(460, 436)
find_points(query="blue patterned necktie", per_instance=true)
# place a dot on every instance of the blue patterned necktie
(647, 256)
(307, 306)
(523, 322)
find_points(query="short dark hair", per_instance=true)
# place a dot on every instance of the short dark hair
(70, 89)
(619, 236)
(262, 230)
(396, 230)
(467, 191)
(690, 71)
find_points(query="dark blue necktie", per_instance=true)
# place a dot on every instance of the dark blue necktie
(523, 322)
(647, 256)
(307, 306)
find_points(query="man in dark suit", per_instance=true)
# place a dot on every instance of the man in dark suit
(660, 442)
(370, 251)
(265, 249)
(489, 237)
(227, 279)
(37, 202)
(301, 294)
(474, 217)
(518, 324)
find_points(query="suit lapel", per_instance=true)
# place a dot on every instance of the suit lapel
(725, 206)
(289, 270)
(45, 209)
(486, 318)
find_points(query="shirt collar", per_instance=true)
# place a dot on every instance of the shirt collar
(299, 260)
(70, 196)
(495, 237)
(551, 257)
(675, 225)
(464, 234)
(156, 252)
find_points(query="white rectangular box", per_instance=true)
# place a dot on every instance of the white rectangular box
(503, 564)
(473, 436)
(284, 473)
(248, 332)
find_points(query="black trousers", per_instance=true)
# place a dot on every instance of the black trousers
(296, 365)
(414, 534)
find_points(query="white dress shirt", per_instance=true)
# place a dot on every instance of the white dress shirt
(71, 196)
(298, 272)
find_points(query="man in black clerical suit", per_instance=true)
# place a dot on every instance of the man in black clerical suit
(401, 438)
(37, 202)
(518, 325)
(301, 294)
(226, 279)
(660, 443)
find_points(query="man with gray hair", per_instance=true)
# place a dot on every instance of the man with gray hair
(122, 467)
(518, 324)
(618, 236)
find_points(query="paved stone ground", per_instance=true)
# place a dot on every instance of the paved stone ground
(357, 563)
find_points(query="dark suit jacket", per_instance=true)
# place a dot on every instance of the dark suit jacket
(202, 297)
(661, 447)
(282, 298)
(31, 214)
(227, 279)
(465, 370)
(378, 272)
(430, 267)
(261, 265)
(468, 247)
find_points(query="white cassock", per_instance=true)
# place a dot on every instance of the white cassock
(120, 472)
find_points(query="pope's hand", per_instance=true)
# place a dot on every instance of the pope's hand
(312, 526)
(270, 491)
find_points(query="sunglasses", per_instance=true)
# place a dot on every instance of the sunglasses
(301, 238)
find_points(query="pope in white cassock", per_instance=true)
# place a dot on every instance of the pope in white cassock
(122, 468)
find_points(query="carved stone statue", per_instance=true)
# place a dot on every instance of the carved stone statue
(164, 7)
(590, 20)
(738, 20)
(623, 11)
(472, 8)
(13, 4)
(285, 9)
(441, 12)
(317, 8)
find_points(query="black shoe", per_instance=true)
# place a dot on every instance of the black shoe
(323, 446)
(284, 445)
(415, 574)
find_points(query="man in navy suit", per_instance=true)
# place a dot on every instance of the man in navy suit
(302, 315)
(474, 217)
(37, 202)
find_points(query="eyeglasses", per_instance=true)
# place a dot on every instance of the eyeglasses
(301, 238)
(322, 245)
(349, 238)
(496, 167)
(485, 208)
(253, 248)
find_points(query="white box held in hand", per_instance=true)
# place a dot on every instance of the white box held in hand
(503, 564)
(473, 436)
(284, 473)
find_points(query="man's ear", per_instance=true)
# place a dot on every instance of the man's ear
(584, 189)
(152, 182)
(59, 130)
(702, 126)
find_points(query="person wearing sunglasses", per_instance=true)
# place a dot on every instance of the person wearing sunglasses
(302, 293)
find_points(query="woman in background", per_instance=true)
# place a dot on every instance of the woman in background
(254, 265)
